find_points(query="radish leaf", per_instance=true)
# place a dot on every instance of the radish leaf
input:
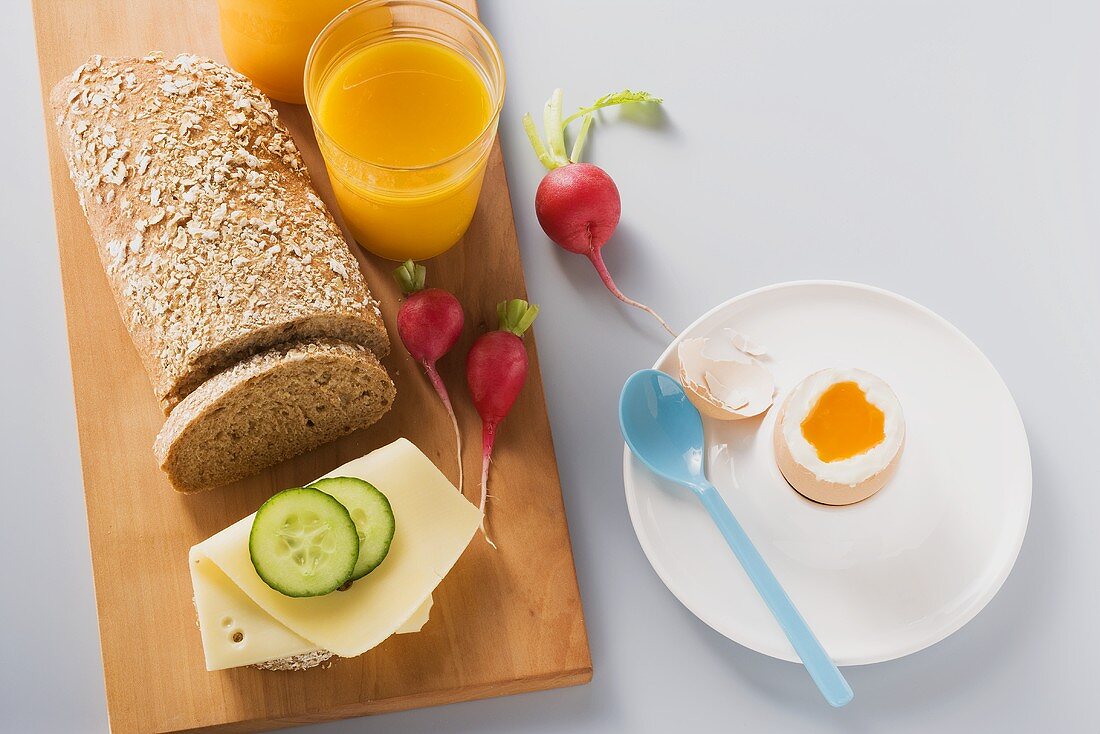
(610, 100)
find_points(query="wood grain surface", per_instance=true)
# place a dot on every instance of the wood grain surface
(504, 622)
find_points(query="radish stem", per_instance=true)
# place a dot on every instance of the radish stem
(441, 390)
(578, 144)
(553, 129)
(410, 276)
(597, 260)
(516, 315)
(536, 141)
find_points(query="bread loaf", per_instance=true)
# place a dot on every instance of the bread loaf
(270, 407)
(214, 243)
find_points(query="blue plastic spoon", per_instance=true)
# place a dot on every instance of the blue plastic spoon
(665, 431)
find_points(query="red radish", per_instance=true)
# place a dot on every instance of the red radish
(429, 323)
(496, 369)
(577, 203)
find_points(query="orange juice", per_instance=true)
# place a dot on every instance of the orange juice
(405, 107)
(268, 40)
(407, 104)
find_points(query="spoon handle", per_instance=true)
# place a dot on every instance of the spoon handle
(821, 668)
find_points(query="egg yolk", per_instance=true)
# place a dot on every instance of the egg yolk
(843, 424)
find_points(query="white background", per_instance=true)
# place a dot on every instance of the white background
(944, 150)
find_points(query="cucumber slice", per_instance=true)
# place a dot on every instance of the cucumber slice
(372, 514)
(303, 543)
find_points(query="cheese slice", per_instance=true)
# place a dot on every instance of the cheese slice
(244, 621)
(236, 632)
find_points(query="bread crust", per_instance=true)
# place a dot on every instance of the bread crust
(213, 240)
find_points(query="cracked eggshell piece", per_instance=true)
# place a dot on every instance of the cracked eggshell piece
(722, 381)
(746, 345)
(850, 480)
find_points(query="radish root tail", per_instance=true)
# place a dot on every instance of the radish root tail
(488, 436)
(441, 390)
(605, 276)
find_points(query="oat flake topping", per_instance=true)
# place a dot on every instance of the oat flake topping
(202, 208)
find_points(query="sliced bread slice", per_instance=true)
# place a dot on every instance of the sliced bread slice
(270, 407)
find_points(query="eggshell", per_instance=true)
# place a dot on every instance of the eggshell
(812, 487)
(722, 381)
(746, 345)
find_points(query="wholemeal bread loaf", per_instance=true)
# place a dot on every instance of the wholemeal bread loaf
(270, 407)
(214, 243)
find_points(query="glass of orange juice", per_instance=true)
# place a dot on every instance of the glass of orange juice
(268, 40)
(405, 96)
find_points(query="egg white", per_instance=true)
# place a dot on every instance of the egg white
(861, 467)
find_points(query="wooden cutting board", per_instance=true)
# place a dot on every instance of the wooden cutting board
(505, 621)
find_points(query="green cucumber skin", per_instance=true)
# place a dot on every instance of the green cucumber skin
(355, 493)
(293, 501)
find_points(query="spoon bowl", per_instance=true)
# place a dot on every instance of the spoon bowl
(665, 429)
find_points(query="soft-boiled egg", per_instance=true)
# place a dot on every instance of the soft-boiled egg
(839, 435)
(723, 376)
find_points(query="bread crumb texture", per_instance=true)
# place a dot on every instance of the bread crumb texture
(271, 407)
(215, 244)
(303, 661)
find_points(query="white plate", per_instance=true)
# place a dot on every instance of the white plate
(885, 577)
